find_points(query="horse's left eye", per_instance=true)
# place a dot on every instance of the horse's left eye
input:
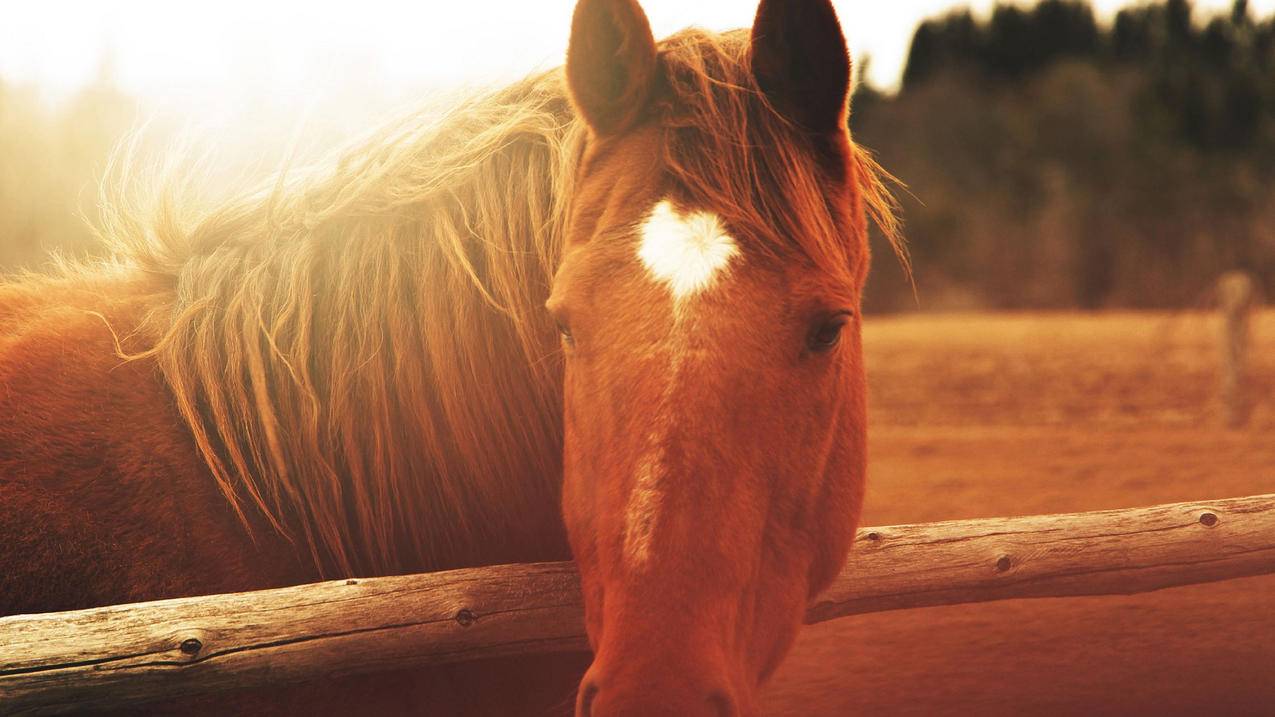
(827, 333)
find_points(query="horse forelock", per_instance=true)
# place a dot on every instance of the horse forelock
(787, 191)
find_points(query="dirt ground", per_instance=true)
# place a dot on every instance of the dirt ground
(998, 415)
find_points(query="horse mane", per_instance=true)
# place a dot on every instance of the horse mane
(360, 352)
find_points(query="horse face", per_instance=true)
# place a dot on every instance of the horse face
(714, 389)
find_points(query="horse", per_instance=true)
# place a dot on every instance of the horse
(609, 312)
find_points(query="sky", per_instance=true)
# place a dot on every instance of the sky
(188, 51)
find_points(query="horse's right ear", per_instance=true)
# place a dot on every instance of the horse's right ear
(610, 63)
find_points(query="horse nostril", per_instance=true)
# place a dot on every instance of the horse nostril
(588, 692)
(722, 702)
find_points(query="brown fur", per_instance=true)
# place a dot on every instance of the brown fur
(707, 420)
(349, 372)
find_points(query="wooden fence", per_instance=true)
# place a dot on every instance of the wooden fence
(130, 654)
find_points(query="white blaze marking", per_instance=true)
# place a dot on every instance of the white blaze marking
(644, 504)
(687, 254)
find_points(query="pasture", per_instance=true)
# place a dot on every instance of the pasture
(981, 415)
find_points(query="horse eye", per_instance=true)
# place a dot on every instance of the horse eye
(827, 333)
(565, 332)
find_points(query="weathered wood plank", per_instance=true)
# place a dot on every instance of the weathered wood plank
(1112, 552)
(130, 654)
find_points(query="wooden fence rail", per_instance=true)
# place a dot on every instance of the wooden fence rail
(129, 654)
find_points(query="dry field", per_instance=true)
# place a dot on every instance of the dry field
(986, 415)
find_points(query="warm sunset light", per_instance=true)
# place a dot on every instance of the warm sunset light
(637, 358)
(290, 49)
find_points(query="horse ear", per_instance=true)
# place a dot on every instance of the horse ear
(610, 63)
(800, 62)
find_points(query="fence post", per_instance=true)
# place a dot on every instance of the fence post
(1236, 294)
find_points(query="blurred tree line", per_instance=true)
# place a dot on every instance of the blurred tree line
(1055, 161)
(54, 154)
(50, 160)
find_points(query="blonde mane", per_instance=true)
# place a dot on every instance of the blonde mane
(361, 354)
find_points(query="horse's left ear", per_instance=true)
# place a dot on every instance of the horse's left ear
(610, 63)
(800, 61)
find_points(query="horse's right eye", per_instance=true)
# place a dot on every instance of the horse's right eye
(565, 332)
